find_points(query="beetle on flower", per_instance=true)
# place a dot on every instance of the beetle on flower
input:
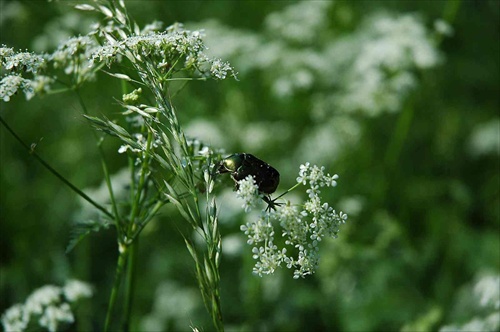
(242, 165)
(303, 226)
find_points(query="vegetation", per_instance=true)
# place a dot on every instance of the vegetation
(114, 215)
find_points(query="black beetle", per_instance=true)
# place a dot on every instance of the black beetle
(241, 165)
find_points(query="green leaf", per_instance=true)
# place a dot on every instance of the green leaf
(82, 229)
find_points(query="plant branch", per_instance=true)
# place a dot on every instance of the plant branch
(105, 169)
(54, 172)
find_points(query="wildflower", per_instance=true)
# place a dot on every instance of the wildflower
(21, 62)
(487, 289)
(248, 190)
(303, 226)
(377, 63)
(75, 289)
(6, 52)
(443, 28)
(219, 69)
(300, 22)
(46, 306)
(205, 152)
(41, 298)
(167, 47)
(14, 319)
(73, 56)
(372, 70)
(152, 27)
(484, 138)
(9, 85)
(482, 312)
(41, 84)
(55, 315)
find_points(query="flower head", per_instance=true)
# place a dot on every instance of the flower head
(14, 319)
(303, 226)
(20, 61)
(75, 289)
(9, 85)
(248, 191)
(47, 306)
(174, 47)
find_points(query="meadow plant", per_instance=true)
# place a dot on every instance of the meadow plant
(164, 165)
(480, 303)
(303, 226)
(346, 75)
(48, 307)
(484, 139)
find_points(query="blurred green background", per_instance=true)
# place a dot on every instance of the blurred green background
(399, 103)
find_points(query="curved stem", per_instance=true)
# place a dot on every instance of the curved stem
(56, 173)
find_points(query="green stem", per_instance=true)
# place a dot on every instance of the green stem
(140, 186)
(185, 79)
(105, 169)
(56, 173)
(406, 116)
(122, 259)
(399, 136)
(451, 10)
(130, 286)
(146, 219)
(132, 236)
(286, 192)
(216, 306)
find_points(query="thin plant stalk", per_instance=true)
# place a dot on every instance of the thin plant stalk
(403, 125)
(130, 285)
(122, 260)
(105, 169)
(399, 136)
(54, 172)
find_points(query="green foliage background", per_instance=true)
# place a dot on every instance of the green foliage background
(429, 220)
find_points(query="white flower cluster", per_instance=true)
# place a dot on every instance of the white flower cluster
(173, 50)
(169, 48)
(487, 290)
(219, 69)
(484, 138)
(300, 22)
(479, 304)
(74, 57)
(174, 305)
(303, 227)
(17, 64)
(20, 61)
(248, 191)
(11, 83)
(370, 70)
(376, 63)
(49, 306)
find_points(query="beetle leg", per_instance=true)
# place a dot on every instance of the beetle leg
(271, 203)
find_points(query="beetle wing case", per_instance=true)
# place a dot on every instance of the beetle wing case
(266, 176)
